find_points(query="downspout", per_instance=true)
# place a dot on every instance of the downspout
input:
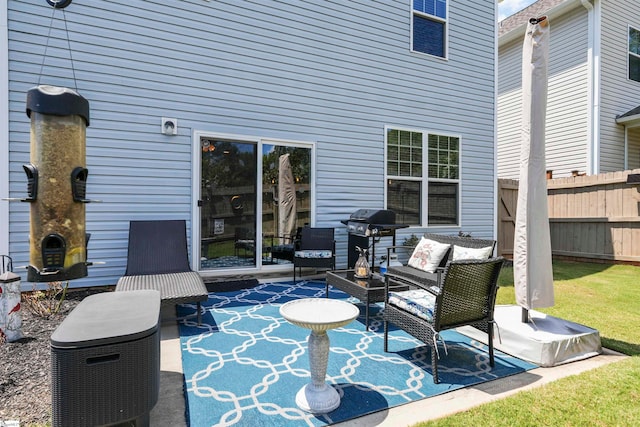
(4, 129)
(626, 147)
(593, 88)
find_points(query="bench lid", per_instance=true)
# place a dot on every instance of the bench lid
(109, 318)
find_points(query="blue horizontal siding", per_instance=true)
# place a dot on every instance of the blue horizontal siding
(333, 73)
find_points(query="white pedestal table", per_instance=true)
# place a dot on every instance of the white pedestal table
(319, 315)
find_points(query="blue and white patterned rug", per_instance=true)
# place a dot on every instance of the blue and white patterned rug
(244, 364)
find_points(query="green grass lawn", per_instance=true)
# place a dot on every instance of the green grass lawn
(604, 297)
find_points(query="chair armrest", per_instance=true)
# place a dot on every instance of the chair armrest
(441, 271)
(428, 285)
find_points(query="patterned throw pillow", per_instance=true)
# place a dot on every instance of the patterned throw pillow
(460, 252)
(428, 254)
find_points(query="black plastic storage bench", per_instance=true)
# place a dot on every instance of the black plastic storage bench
(105, 359)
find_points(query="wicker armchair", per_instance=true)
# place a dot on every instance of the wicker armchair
(316, 248)
(465, 295)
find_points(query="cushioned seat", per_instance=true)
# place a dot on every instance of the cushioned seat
(313, 254)
(175, 288)
(416, 301)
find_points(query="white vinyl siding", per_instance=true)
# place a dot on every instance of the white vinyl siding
(618, 93)
(331, 73)
(509, 109)
(567, 109)
(633, 141)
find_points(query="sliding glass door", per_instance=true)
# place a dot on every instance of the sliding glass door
(251, 206)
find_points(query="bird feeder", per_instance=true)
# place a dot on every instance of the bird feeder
(56, 184)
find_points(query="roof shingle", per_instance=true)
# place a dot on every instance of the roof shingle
(519, 18)
(630, 113)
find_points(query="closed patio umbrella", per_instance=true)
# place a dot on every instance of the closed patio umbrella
(286, 200)
(532, 267)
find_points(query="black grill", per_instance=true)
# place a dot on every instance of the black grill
(371, 222)
(366, 224)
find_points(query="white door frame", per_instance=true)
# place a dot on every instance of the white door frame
(196, 196)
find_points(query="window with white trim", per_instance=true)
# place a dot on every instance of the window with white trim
(429, 27)
(634, 54)
(423, 177)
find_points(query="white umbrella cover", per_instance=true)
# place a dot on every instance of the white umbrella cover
(532, 266)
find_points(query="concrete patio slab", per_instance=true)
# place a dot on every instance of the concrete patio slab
(170, 409)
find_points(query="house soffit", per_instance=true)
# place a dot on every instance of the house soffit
(515, 25)
(630, 119)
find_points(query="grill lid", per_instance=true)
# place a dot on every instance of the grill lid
(374, 216)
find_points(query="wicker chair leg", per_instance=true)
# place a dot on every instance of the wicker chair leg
(386, 336)
(198, 307)
(434, 365)
(490, 334)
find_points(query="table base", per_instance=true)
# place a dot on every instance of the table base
(317, 400)
(318, 397)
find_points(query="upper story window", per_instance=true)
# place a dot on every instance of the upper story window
(429, 27)
(423, 177)
(634, 54)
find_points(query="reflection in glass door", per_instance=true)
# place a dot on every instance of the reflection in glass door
(228, 204)
(286, 199)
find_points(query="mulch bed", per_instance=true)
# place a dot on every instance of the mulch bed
(25, 365)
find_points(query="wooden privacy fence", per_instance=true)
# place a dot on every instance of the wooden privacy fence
(594, 217)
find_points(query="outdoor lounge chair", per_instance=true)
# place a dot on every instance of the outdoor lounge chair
(157, 259)
(316, 248)
(465, 295)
